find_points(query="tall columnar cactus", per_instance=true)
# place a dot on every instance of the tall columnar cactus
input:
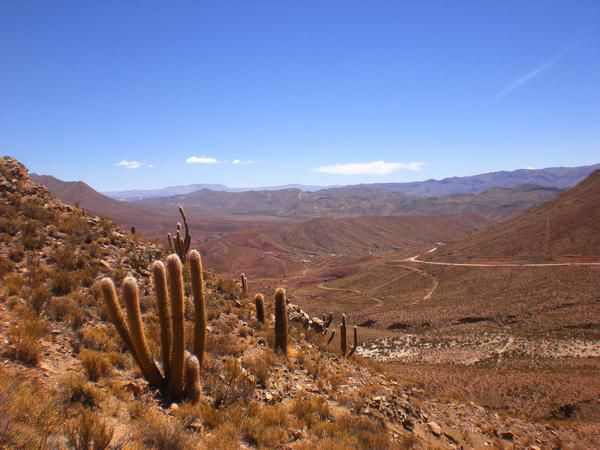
(195, 262)
(178, 344)
(181, 245)
(244, 285)
(259, 301)
(168, 288)
(343, 336)
(281, 321)
(355, 342)
(328, 321)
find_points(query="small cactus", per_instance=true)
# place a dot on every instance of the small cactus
(259, 301)
(328, 321)
(281, 321)
(343, 336)
(244, 285)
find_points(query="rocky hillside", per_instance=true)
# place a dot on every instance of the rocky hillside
(67, 381)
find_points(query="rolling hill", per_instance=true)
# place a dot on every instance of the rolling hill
(286, 248)
(564, 226)
(354, 201)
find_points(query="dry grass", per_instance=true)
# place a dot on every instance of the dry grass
(88, 431)
(95, 363)
(28, 415)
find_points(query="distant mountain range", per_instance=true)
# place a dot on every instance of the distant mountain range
(560, 177)
(140, 194)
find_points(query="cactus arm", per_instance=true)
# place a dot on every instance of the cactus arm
(159, 277)
(129, 292)
(115, 313)
(193, 388)
(175, 277)
(195, 262)
(355, 342)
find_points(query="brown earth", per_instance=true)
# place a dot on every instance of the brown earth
(315, 398)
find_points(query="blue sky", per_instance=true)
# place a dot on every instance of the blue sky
(122, 93)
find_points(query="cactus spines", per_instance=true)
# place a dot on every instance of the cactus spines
(331, 337)
(343, 336)
(193, 389)
(177, 350)
(244, 285)
(129, 292)
(281, 321)
(159, 277)
(195, 262)
(355, 342)
(116, 314)
(259, 301)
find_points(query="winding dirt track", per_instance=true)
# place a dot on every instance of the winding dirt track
(377, 300)
(441, 263)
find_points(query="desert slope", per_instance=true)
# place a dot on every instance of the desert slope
(568, 225)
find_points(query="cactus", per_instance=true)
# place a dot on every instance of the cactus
(244, 285)
(168, 288)
(343, 336)
(179, 244)
(331, 337)
(193, 389)
(281, 321)
(159, 277)
(259, 301)
(115, 313)
(129, 293)
(195, 262)
(355, 342)
(175, 284)
(328, 321)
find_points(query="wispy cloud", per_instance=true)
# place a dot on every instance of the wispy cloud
(129, 164)
(201, 160)
(370, 168)
(529, 76)
(237, 162)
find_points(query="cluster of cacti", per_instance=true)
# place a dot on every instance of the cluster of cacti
(244, 285)
(344, 337)
(181, 244)
(259, 301)
(281, 321)
(180, 377)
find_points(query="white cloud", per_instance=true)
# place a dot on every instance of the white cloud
(236, 161)
(128, 164)
(201, 160)
(370, 168)
(529, 76)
